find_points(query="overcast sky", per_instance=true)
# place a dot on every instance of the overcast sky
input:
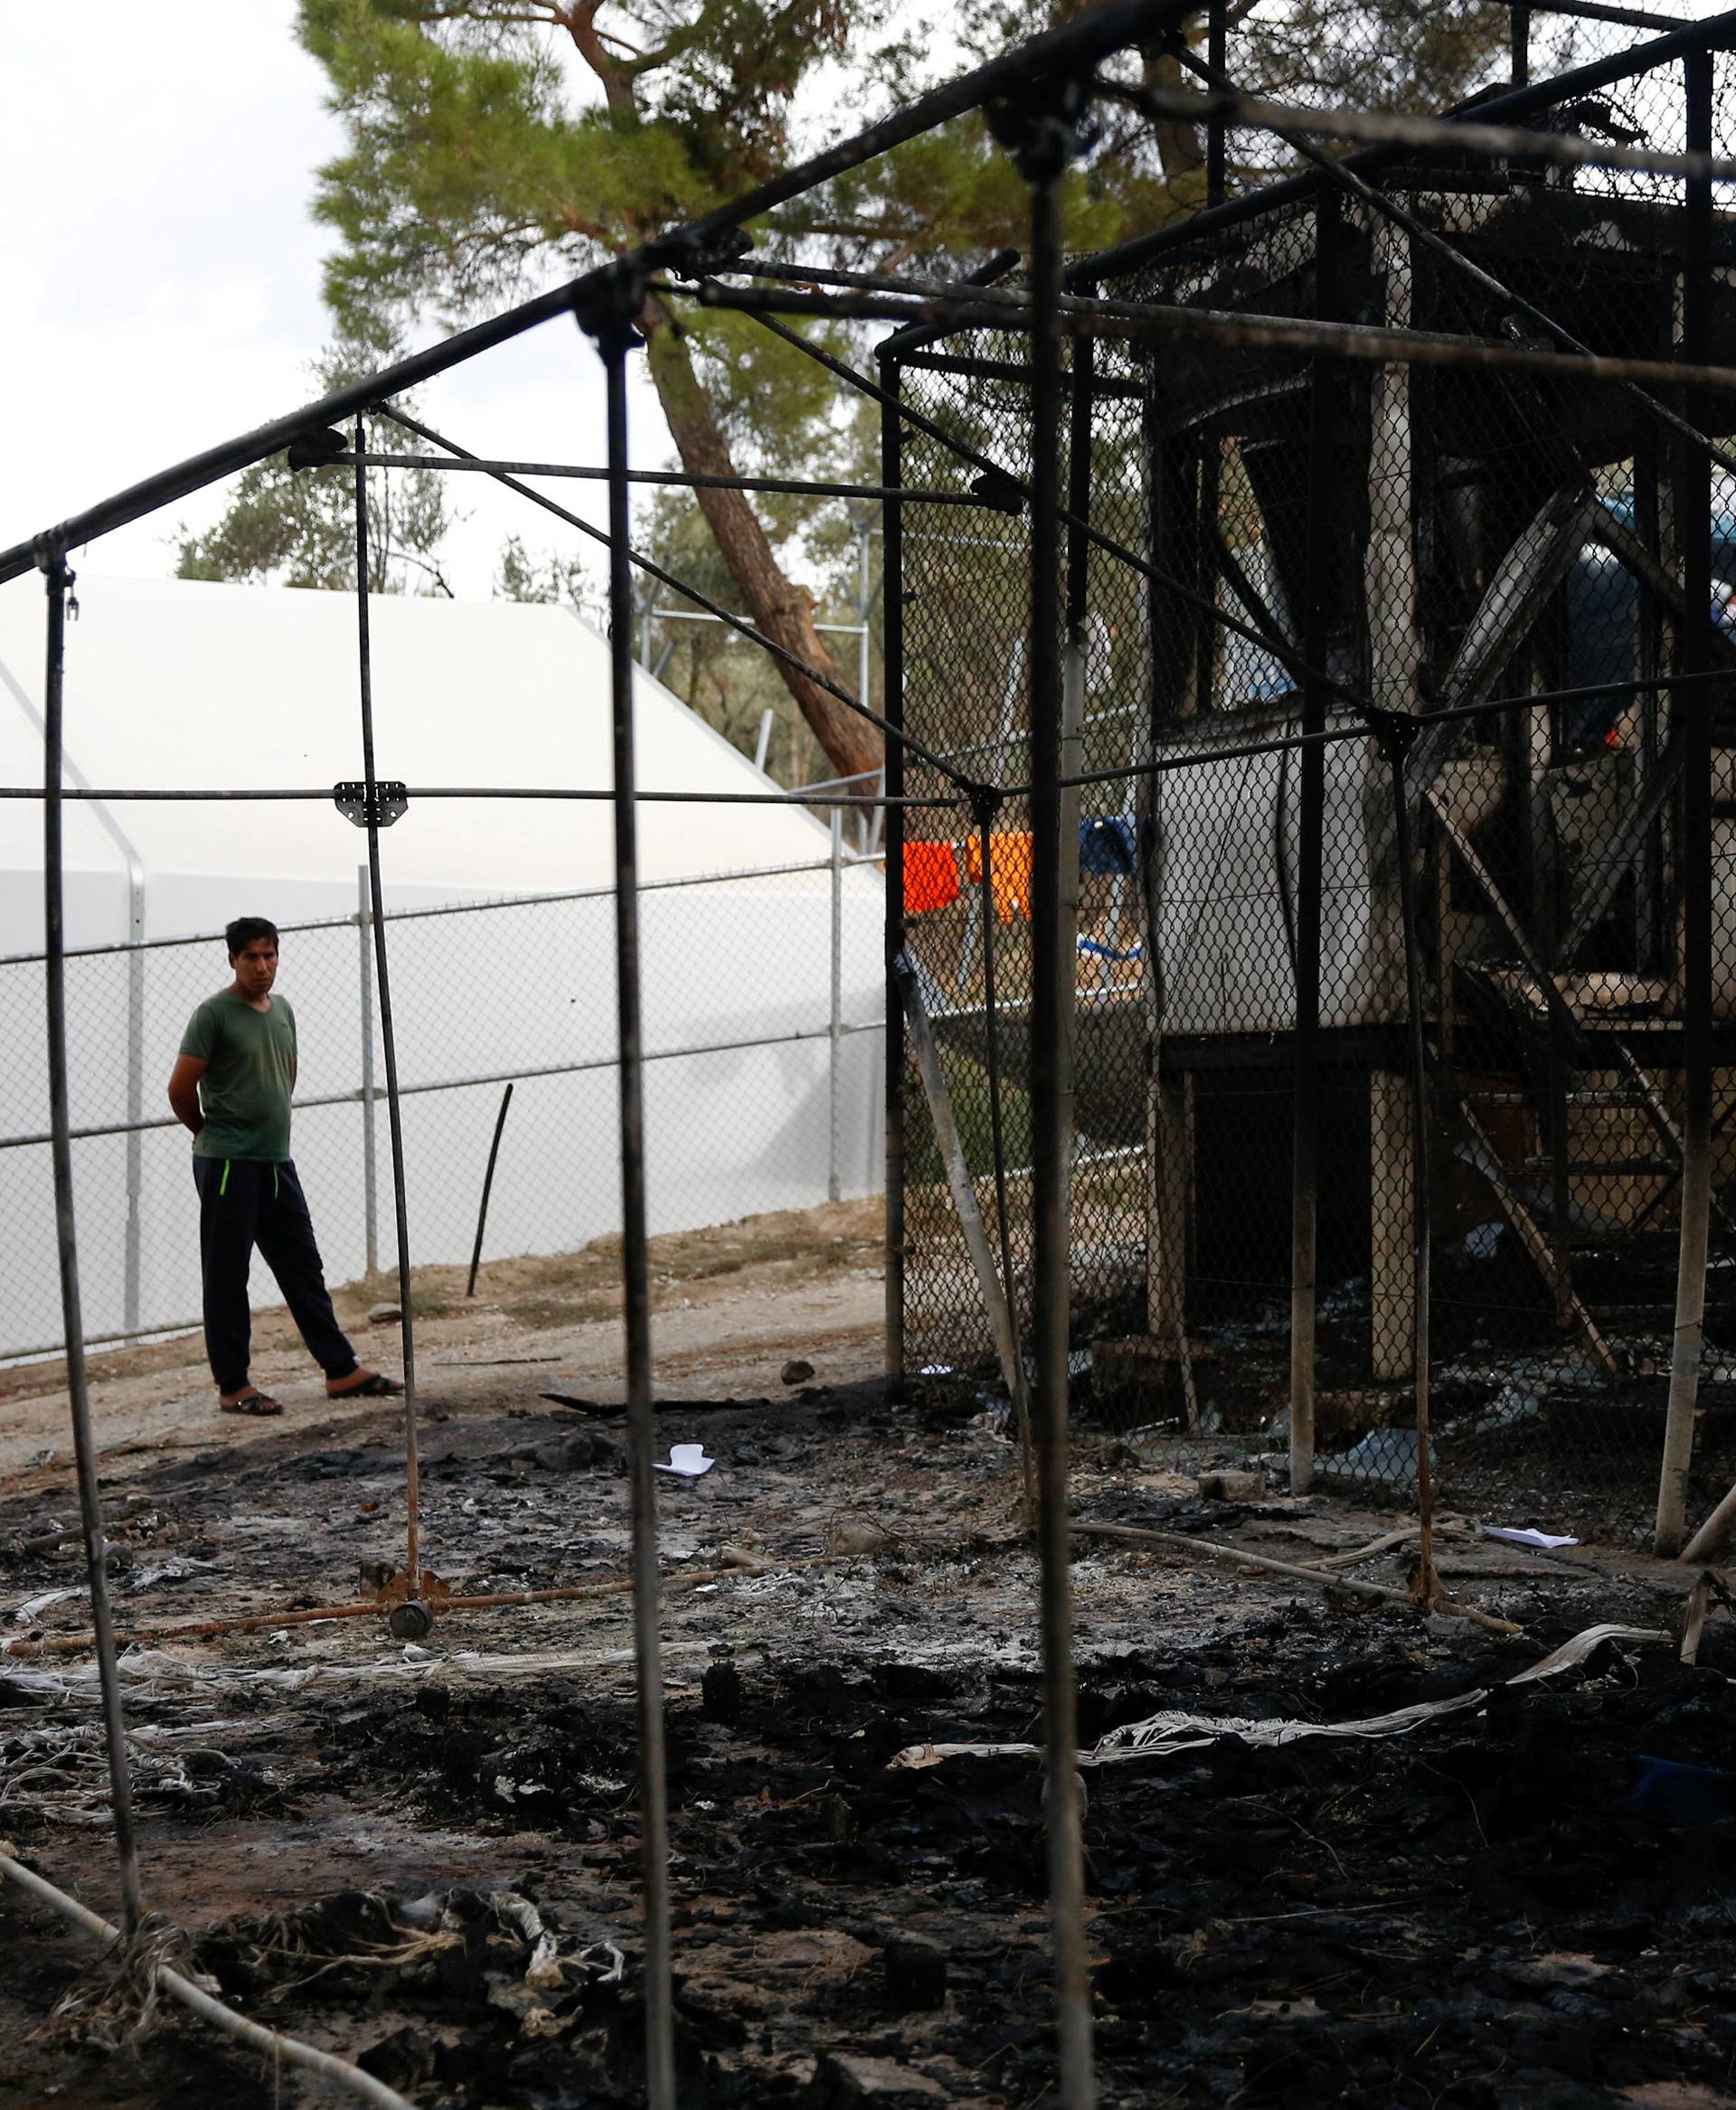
(161, 275)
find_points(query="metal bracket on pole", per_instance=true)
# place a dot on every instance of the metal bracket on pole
(319, 449)
(389, 803)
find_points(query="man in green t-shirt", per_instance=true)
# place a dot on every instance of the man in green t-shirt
(231, 1086)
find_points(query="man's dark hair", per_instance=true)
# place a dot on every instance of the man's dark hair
(241, 933)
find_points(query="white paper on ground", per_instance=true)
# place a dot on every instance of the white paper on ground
(1160, 1734)
(27, 1613)
(1513, 1535)
(689, 1460)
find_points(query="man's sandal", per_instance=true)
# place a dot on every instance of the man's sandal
(251, 1401)
(373, 1386)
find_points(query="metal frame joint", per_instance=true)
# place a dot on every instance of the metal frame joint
(377, 805)
(685, 253)
(1045, 123)
(319, 448)
(607, 307)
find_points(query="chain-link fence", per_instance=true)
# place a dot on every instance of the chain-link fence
(1381, 55)
(762, 1035)
(1282, 549)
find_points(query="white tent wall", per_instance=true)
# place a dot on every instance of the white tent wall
(482, 991)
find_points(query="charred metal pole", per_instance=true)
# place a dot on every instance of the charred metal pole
(1396, 740)
(892, 650)
(371, 810)
(609, 319)
(1324, 506)
(1693, 861)
(1040, 130)
(84, 1443)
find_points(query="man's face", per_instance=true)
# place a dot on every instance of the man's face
(256, 965)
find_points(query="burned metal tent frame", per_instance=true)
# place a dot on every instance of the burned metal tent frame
(1036, 99)
(1213, 241)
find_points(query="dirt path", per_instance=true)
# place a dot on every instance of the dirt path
(731, 1306)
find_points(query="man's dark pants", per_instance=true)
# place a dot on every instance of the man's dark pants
(245, 1203)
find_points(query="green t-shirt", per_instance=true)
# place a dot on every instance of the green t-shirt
(250, 1068)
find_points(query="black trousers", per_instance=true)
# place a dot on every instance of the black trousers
(245, 1203)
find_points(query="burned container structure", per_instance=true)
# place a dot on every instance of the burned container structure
(1278, 559)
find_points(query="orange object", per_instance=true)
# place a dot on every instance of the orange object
(931, 876)
(1009, 872)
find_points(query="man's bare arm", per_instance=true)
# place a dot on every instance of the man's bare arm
(184, 1091)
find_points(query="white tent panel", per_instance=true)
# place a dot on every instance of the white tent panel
(178, 686)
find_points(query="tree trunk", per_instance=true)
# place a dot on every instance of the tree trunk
(1180, 147)
(781, 608)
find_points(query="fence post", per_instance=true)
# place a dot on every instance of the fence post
(892, 575)
(1693, 861)
(135, 1094)
(835, 1035)
(369, 1195)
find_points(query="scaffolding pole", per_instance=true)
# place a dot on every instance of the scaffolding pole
(370, 809)
(609, 323)
(1046, 146)
(84, 1442)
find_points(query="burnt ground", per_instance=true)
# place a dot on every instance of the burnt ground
(427, 1856)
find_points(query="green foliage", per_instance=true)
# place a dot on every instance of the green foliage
(296, 527)
(551, 579)
(473, 149)
(490, 145)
